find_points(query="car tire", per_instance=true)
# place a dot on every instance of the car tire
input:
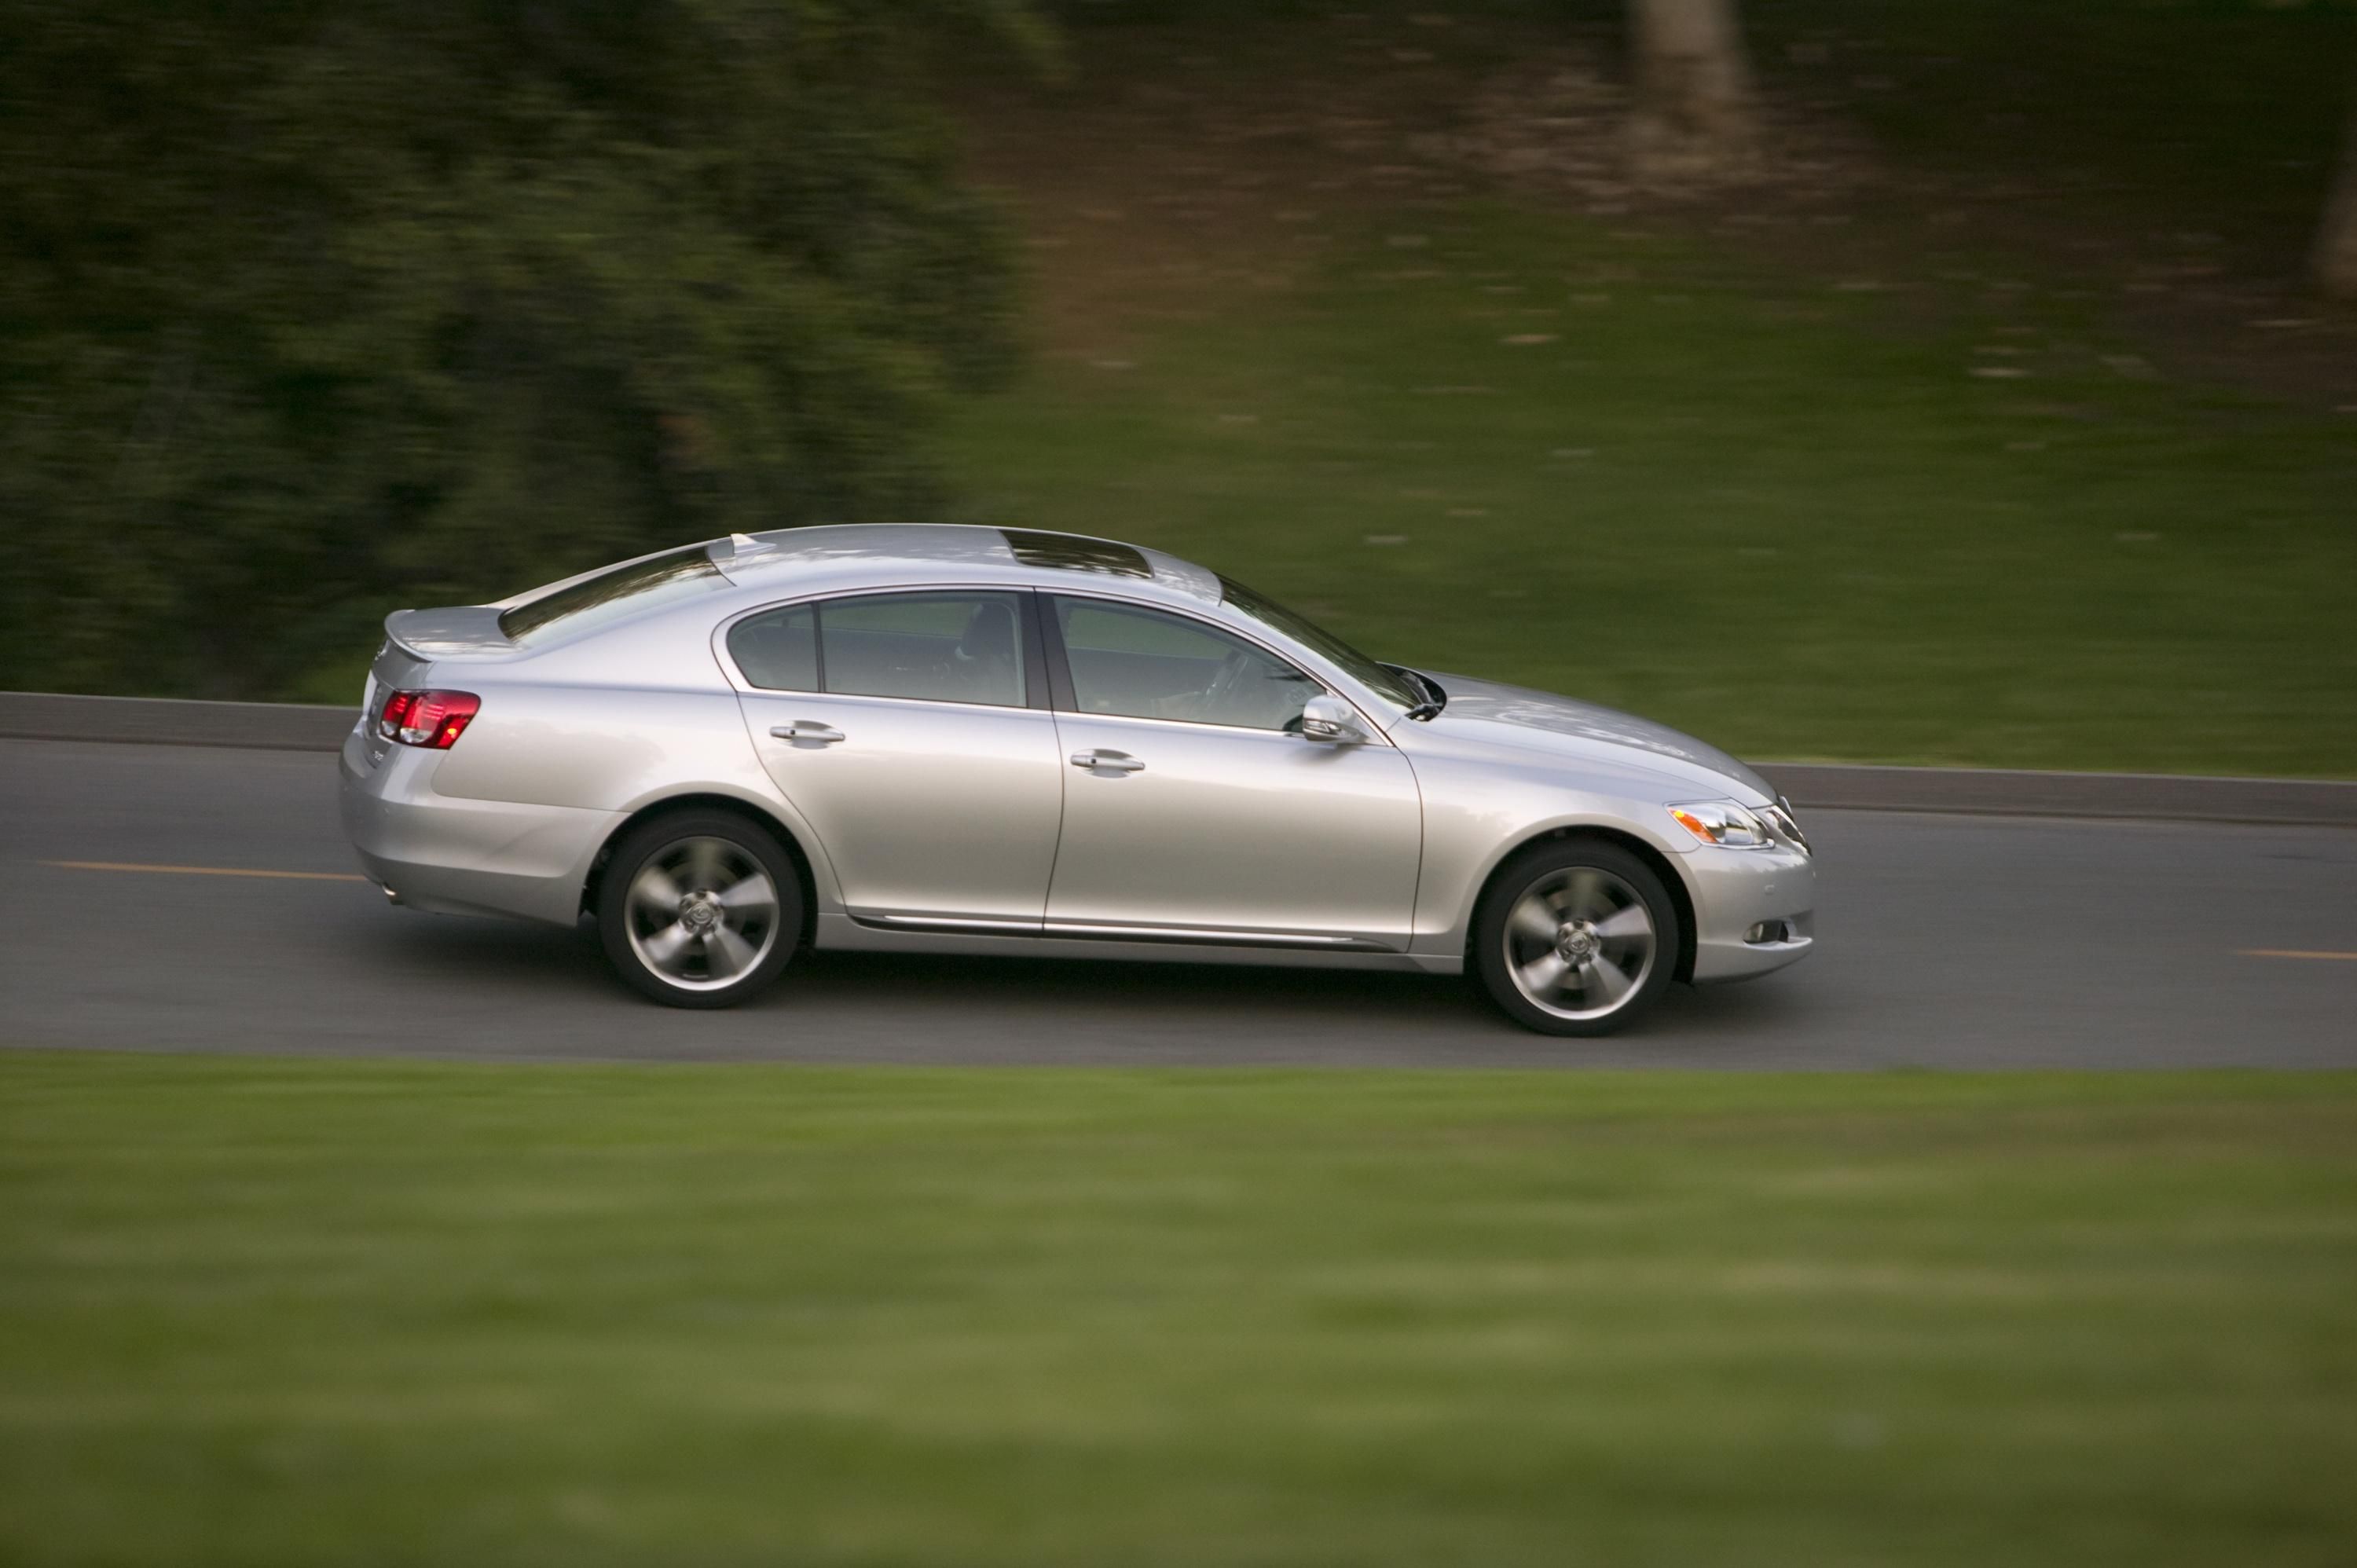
(699, 908)
(1575, 936)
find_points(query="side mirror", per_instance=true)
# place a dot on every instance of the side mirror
(1332, 720)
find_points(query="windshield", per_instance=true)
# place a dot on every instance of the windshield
(1381, 679)
(610, 596)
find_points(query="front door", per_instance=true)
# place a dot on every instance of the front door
(903, 727)
(1193, 806)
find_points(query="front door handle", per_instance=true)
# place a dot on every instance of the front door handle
(807, 729)
(1107, 761)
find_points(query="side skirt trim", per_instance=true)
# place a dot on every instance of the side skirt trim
(1085, 931)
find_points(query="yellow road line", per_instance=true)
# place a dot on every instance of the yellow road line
(206, 871)
(2294, 953)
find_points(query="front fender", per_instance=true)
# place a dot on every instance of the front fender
(1475, 814)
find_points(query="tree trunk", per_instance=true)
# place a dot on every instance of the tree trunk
(1694, 114)
(2336, 245)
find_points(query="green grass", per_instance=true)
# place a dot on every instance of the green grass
(1950, 520)
(261, 1312)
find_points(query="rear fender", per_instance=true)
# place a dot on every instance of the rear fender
(621, 752)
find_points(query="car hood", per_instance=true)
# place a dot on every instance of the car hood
(1485, 713)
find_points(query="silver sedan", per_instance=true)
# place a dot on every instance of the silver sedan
(974, 740)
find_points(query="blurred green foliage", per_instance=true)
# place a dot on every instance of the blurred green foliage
(316, 311)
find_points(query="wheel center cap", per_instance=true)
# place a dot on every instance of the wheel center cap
(698, 912)
(1575, 943)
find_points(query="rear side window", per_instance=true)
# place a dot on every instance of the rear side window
(934, 647)
(778, 651)
(610, 596)
(945, 648)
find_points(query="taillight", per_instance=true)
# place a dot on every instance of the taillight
(430, 719)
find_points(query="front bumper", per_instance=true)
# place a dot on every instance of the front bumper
(458, 855)
(1737, 890)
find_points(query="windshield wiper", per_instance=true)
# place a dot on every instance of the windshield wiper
(1435, 699)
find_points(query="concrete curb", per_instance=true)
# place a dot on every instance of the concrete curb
(1989, 791)
(2302, 802)
(159, 721)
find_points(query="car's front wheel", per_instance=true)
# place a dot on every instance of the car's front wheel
(1575, 936)
(699, 908)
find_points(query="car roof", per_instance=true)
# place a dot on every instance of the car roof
(751, 571)
(880, 553)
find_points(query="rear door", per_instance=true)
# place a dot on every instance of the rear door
(911, 730)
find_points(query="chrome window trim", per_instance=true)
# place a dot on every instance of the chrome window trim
(1376, 732)
(912, 702)
(1197, 726)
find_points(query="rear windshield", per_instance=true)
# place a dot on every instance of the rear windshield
(610, 596)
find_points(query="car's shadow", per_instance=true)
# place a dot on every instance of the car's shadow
(1006, 1000)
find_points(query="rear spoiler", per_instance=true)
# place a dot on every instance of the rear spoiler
(454, 631)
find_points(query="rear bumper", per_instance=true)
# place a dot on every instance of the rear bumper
(1738, 890)
(455, 855)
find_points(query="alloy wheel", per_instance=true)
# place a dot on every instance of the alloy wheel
(1579, 943)
(702, 913)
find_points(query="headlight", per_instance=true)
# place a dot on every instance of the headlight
(1724, 823)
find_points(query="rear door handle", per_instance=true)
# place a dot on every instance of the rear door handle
(807, 729)
(1107, 761)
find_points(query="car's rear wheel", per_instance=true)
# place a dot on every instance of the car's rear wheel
(1576, 937)
(699, 908)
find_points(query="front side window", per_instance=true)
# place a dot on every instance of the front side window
(937, 647)
(1144, 665)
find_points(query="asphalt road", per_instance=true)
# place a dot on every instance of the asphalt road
(1944, 941)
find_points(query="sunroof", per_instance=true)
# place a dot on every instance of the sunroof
(1065, 553)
